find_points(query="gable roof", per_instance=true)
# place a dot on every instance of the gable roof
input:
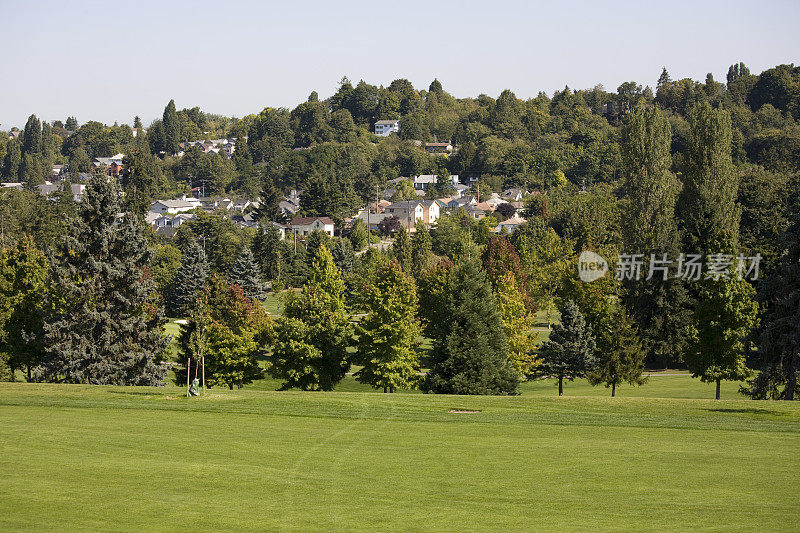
(307, 221)
(387, 122)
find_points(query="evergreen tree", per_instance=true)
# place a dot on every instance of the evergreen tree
(569, 352)
(313, 336)
(142, 180)
(101, 326)
(388, 333)
(71, 124)
(137, 124)
(471, 354)
(421, 250)
(359, 236)
(269, 209)
(12, 160)
(172, 129)
(189, 280)
(401, 249)
(267, 251)
(724, 318)
(246, 274)
(343, 255)
(620, 358)
(779, 339)
(314, 242)
(32, 136)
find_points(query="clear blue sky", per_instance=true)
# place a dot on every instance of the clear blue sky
(109, 61)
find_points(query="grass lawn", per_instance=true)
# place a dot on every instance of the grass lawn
(112, 458)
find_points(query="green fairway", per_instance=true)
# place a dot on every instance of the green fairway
(113, 458)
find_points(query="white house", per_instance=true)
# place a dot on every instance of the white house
(305, 225)
(173, 207)
(408, 211)
(510, 224)
(386, 127)
(430, 211)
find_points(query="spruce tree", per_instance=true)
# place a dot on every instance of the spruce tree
(102, 326)
(343, 255)
(569, 352)
(246, 274)
(471, 354)
(421, 250)
(190, 279)
(388, 333)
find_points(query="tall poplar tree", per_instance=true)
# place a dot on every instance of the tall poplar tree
(172, 129)
(102, 326)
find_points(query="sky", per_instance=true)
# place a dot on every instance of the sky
(109, 60)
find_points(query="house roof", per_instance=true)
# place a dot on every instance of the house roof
(387, 122)
(405, 204)
(513, 221)
(176, 204)
(307, 221)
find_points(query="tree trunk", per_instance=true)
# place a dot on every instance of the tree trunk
(29, 373)
(791, 384)
(560, 385)
(718, 382)
(613, 389)
(385, 389)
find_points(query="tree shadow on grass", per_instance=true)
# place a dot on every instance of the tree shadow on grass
(130, 392)
(748, 410)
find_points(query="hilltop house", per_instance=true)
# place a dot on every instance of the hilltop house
(385, 128)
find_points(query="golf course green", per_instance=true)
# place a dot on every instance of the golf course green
(131, 459)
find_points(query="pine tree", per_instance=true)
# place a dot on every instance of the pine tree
(779, 340)
(312, 339)
(32, 136)
(620, 358)
(724, 317)
(71, 124)
(246, 274)
(401, 249)
(314, 242)
(569, 352)
(471, 354)
(189, 280)
(388, 332)
(101, 326)
(269, 209)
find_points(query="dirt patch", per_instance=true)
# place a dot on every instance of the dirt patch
(464, 411)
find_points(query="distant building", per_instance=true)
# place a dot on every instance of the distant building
(385, 128)
(306, 225)
(173, 207)
(439, 148)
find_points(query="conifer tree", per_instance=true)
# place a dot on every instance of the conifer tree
(569, 352)
(620, 358)
(71, 124)
(172, 129)
(32, 136)
(359, 236)
(343, 255)
(388, 332)
(421, 250)
(101, 325)
(401, 249)
(268, 209)
(313, 336)
(190, 278)
(779, 339)
(314, 242)
(267, 251)
(246, 274)
(471, 354)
